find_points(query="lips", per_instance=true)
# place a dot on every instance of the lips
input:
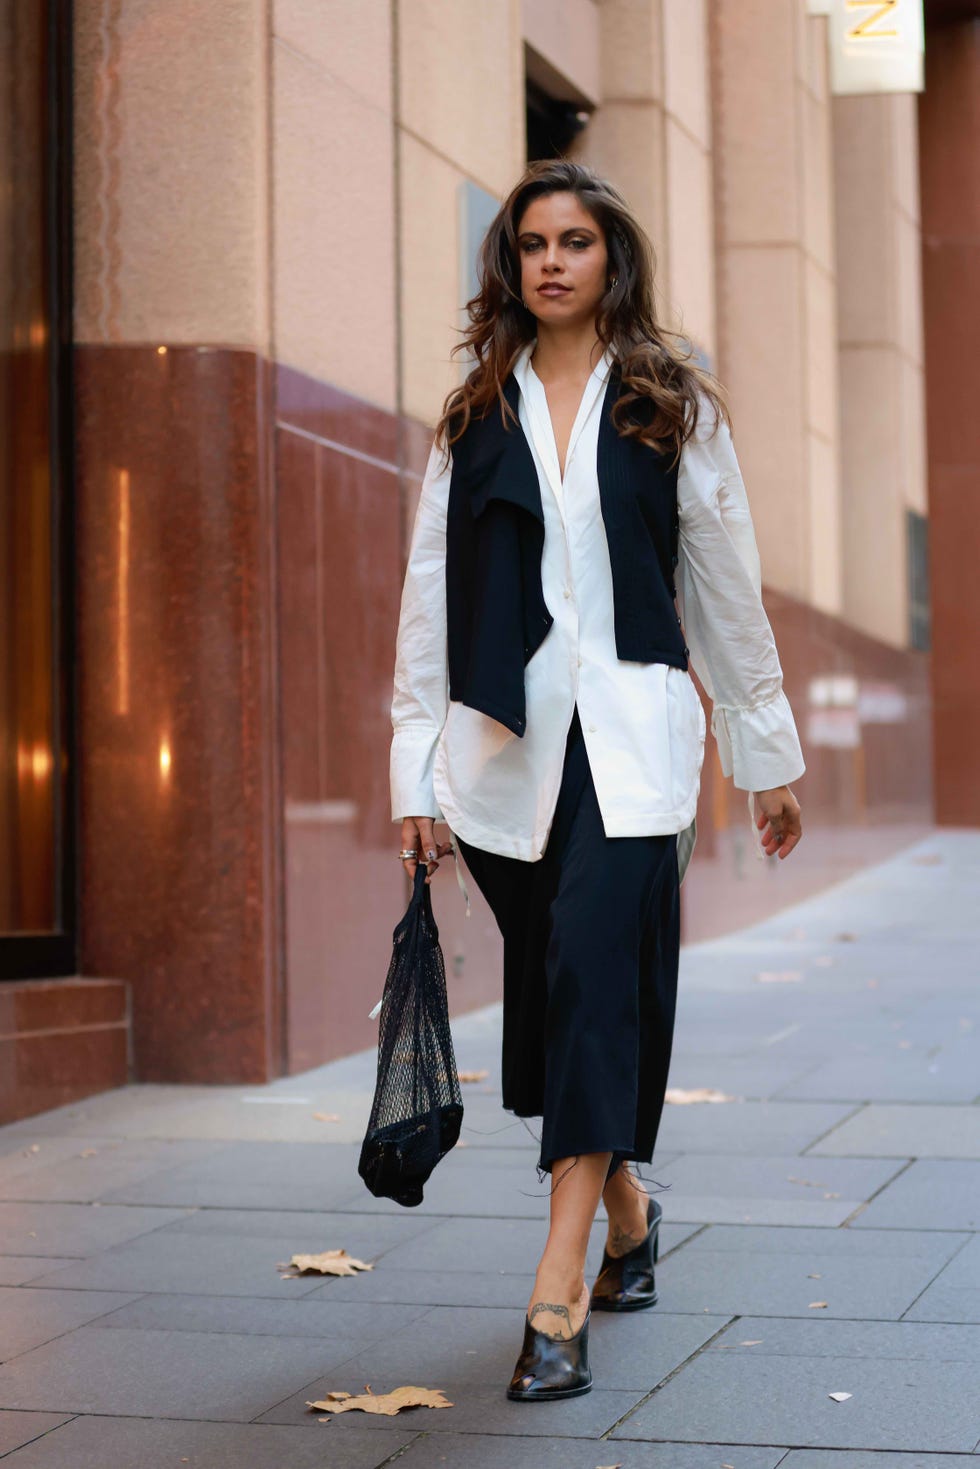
(551, 289)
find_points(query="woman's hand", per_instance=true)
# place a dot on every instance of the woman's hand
(417, 833)
(778, 817)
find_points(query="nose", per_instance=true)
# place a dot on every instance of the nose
(551, 258)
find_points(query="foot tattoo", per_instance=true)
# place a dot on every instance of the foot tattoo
(541, 1306)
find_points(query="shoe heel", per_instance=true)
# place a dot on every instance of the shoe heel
(656, 1243)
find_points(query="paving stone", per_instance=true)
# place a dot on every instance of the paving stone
(834, 1459)
(355, 1322)
(29, 1317)
(931, 1194)
(75, 1229)
(122, 1443)
(21, 1428)
(717, 1188)
(225, 1265)
(95, 1170)
(482, 1451)
(747, 1398)
(955, 1293)
(164, 1374)
(754, 1078)
(246, 1175)
(369, 1236)
(881, 1131)
(483, 1410)
(932, 1245)
(884, 1340)
(902, 1076)
(748, 1127)
(765, 1282)
(16, 1269)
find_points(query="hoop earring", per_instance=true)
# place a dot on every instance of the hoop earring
(613, 282)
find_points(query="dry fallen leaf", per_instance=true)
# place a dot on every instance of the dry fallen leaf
(757, 1343)
(387, 1404)
(831, 1196)
(88, 1153)
(331, 1262)
(840, 1397)
(818, 1305)
(473, 1075)
(681, 1097)
(778, 976)
(845, 938)
(326, 1116)
(814, 1277)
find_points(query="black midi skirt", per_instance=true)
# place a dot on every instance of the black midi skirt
(591, 937)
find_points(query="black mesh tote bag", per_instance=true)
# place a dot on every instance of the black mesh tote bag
(417, 1109)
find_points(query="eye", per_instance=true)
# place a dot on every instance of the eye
(528, 245)
(580, 244)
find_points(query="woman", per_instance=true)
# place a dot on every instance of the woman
(543, 705)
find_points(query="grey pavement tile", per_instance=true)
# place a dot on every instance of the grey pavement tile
(890, 1131)
(925, 1341)
(356, 1322)
(766, 1282)
(17, 1269)
(748, 1127)
(929, 1244)
(835, 1459)
(931, 1194)
(717, 1188)
(902, 1076)
(164, 1374)
(479, 1410)
(123, 1443)
(250, 1175)
(233, 1265)
(955, 1293)
(484, 1451)
(29, 1317)
(95, 1170)
(748, 1398)
(369, 1236)
(19, 1428)
(75, 1229)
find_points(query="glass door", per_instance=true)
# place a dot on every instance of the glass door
(37, 892)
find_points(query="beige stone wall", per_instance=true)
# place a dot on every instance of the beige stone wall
(881, 353)
(777, 284)
(171, 178)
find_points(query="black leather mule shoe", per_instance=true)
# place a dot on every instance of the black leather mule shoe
(626, 1283)
(548, 1369)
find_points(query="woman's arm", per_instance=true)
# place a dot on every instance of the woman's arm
(732, 649)
(420, 699)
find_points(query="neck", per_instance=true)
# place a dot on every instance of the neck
(567, 351)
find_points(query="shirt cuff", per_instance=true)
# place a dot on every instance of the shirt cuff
(413, 750)
(759, 748)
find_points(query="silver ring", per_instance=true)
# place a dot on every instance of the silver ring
(407, 855)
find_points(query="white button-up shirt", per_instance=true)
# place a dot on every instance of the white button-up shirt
(643, 723)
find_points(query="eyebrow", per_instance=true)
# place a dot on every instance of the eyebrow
(579, 229)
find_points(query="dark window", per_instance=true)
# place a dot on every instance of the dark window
(552, 125)
(918, 562)
(36, 840)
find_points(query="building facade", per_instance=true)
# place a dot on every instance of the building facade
(254, 225)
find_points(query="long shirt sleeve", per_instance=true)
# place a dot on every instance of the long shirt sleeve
(421, 684)
(719, 592)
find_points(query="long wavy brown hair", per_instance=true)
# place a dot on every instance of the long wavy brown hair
(661, 382)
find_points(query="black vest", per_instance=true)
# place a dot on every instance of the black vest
(496, 613)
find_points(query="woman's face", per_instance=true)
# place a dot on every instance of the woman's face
(564, 262)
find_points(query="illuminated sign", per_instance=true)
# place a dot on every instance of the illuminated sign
(875, 45)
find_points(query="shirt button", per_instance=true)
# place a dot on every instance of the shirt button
(580, 663)
(592, 729)
(566, 592)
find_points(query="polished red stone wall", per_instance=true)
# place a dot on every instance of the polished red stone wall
(178, 766)
(949, 126)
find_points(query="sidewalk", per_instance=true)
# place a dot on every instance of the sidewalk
(144, 1324)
